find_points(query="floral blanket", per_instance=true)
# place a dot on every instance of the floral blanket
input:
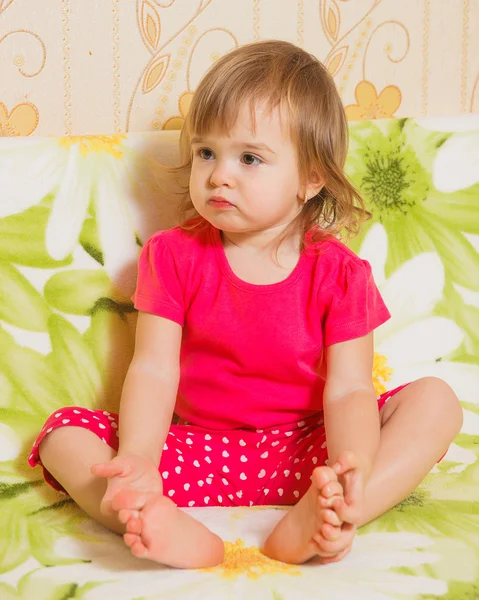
(73, 215)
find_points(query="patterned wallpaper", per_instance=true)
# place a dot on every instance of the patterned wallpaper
(74, 67)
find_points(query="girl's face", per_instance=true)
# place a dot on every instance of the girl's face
(247, 181)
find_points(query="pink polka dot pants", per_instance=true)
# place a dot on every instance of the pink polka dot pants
(201, 467)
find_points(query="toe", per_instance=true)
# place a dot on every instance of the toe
(330, 516)
(131, 538)
(333, 547)
(323, 475)
(330, 533)
(134, 525)
(328, 502)
(332, 559)
(139, 550)
(328, 547)
(332, 488)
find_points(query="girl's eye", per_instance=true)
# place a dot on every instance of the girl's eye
(251, 159)
(205, 153)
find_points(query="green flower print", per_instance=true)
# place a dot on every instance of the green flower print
(35, 585)
(443, 508)
(428, 511)
(466, 316)
(32, 516)
(459, 591)
(78, 177)
(246, 572)
(65, 338)
(32, 522)
(22, 238)
(391, 162)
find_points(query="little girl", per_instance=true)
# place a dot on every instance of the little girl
(256, 328)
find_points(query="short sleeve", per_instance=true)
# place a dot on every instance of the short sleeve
(158, 290)
(356, 306)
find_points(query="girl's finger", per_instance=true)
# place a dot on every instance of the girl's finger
(337, 468)
(341, 509)
(128, 499)
(352, 488)
(345, 512)
(126, 514)
(347, 461)
(109, 469)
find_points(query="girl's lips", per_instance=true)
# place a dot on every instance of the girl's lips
(220, 202)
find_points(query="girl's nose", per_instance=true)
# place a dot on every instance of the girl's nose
(222, 175)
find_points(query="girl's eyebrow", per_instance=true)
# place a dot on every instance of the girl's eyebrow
(260, 147)
(249, 145)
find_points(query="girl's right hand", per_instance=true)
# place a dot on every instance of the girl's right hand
(130, 472)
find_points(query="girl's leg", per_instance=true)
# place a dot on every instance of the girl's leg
(418, 424)
(68, 454)
(167, 534)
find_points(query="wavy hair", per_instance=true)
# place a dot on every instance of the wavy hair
(280, 75)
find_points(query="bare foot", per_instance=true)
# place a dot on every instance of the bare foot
(349, 509)
(337, 557)
(311, 524)
(162, 532)
(127, 472)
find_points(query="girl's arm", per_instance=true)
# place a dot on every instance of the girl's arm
(150, 388)
(350, 405)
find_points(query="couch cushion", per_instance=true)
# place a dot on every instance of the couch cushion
(74, 213)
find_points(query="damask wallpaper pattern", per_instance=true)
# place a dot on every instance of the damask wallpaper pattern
(73, 67)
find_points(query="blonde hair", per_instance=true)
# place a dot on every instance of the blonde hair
(283, 76)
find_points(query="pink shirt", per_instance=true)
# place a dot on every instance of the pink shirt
(250, 353)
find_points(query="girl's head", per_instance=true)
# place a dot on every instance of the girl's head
(267, 132)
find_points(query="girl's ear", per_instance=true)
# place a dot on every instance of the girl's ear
(314, 186)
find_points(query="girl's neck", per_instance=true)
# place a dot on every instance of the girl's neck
(260, 242)
(264, 262)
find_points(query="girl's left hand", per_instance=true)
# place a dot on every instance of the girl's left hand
(350, 510)
(352, 478)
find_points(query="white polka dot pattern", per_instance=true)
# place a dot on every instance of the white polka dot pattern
(235, 468)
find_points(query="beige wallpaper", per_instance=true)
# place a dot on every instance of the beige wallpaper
(71, 67)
